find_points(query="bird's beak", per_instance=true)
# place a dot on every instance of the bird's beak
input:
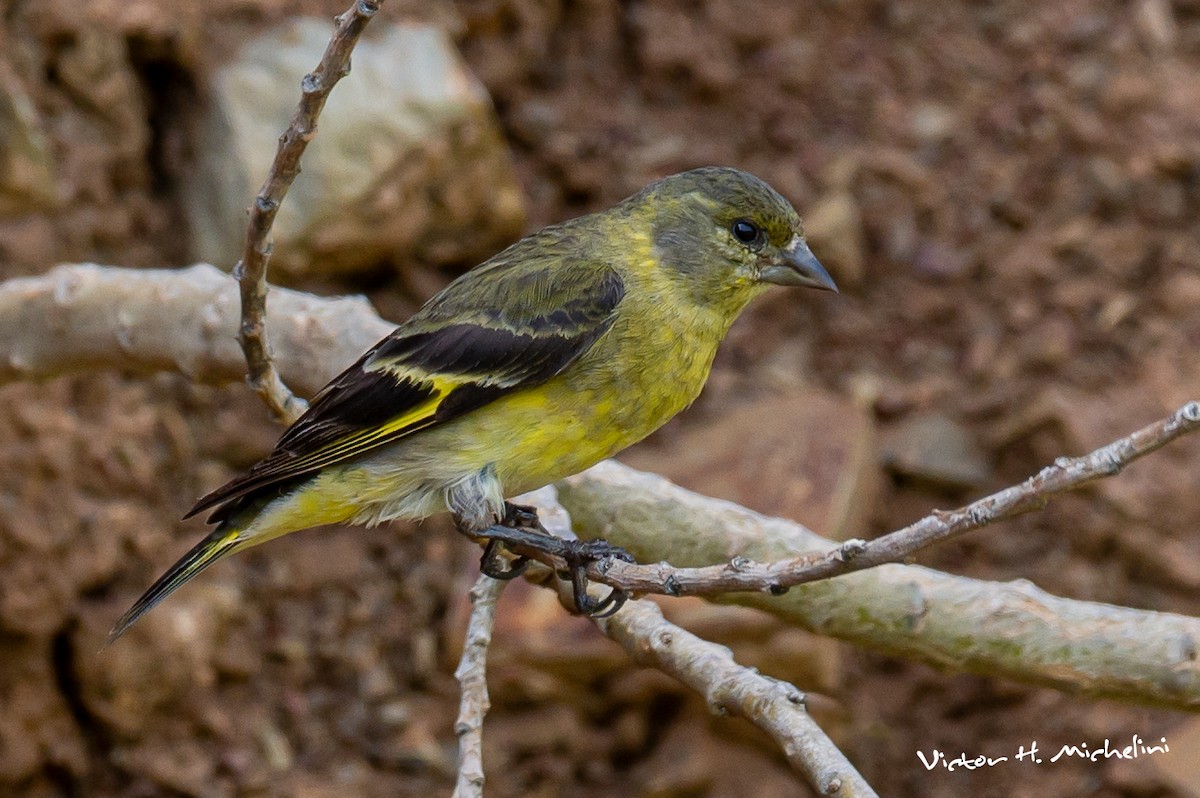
(798, 266)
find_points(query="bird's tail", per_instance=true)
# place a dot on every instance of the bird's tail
(221, 541)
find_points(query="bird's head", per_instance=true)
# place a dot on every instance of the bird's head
(726, 234)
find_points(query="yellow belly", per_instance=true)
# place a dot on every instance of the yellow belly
(540, 436)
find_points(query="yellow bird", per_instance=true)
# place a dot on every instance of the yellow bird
(572, 344)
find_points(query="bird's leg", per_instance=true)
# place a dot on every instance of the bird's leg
(521, 529)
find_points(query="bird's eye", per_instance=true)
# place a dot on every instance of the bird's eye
(747, 232)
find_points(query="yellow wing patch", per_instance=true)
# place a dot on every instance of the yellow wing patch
(418, 417)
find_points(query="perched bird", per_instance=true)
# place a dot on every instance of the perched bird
(558, 352)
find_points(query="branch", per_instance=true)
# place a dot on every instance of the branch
(472, 679)
(251, 270)
(1013, 629)
(86, 318)
(775, 706)
(742, 574)
(79, 318)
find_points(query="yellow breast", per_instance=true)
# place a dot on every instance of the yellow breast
(650, 365)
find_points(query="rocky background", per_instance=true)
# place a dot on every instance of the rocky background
(1009, 196)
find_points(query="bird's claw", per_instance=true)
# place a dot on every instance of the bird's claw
(520, 528)
(583, 554)
(493, 563)
(591, 607)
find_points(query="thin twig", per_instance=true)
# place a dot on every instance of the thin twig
(775, 706)
(472, 679)
(251, 270)
(742, 574)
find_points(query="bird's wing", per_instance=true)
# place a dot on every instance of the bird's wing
(511, 324)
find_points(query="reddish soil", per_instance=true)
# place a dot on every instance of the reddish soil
(1024, 185)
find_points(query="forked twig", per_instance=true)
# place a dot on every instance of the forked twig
(251, 270)
(774, 706)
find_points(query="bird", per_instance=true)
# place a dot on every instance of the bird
(570, 345)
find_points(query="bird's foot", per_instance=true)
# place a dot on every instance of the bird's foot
(521, 529)
(584, 553)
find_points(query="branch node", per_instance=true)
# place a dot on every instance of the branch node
(671, 585)
(851, 549)
(740, 563)
(832, 787)
(794, 694)
(777, 589)
(716, 700)
(1190, 412)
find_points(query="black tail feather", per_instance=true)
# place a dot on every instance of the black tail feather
(217, 544)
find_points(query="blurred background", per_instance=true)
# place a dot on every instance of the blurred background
(1007, 194)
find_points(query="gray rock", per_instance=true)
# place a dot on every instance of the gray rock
(408, 161)
(935, 449)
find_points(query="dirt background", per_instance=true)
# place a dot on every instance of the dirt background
(1010, 198)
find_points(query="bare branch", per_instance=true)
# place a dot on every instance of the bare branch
(774, 706)
(740, 573)
(472, 679)
(85, 318)
(251, 270)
